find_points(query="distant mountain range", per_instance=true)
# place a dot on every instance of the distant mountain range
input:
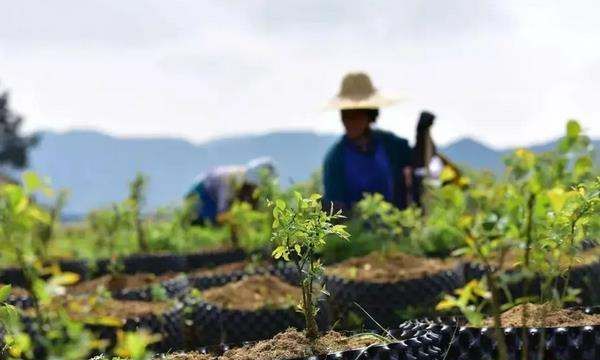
(96, 167)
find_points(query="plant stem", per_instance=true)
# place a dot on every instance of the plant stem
(141, 233)
(573, 227)
(527, 285)
(499, 334)
(312, 330)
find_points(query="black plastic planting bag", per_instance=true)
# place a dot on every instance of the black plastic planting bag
(79, 267)
(586, 278)
(21, 301)
(174, 288)
(154, 263)
(15, 276)
(163, 263)
(169, 325)
(12, 276)
(458, 342)
(213, 258)
(384, 302)
(404, 344)
(214, 325)
(3, 350)
(203, 282)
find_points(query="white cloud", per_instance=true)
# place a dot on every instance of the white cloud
(507, 73)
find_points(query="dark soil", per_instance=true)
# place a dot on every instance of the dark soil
(187, 356)
(221, 269)
(293, 344)
(545, 316)
(387, 268)
(511, 260)
(119, 282)
(253, 293)
(86, 308)
(587, 257)
(17, 291)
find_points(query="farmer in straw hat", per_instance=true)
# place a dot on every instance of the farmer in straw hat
(365, 160)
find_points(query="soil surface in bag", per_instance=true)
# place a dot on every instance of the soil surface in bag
(587, 257)
(228, 268)
(17, 291)
(120, 282)
(287, 345)
(514, 258)
(254, 293)
(109, 309)
(545, 315)
(388, 268)
(186, 356)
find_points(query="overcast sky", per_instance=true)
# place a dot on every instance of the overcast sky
(506, 72)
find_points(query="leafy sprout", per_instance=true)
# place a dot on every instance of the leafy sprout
(299, 231)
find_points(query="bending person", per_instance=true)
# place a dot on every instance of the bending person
(217, 189)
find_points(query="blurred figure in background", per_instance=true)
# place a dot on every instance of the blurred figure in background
(365, 160)
(217, 189)
(427, 162)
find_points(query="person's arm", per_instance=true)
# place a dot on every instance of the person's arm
(407, 170)
(408, 180)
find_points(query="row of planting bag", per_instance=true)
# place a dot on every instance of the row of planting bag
(137, 263)
(438, 339)
(449, 339)
(459, 342)
(194, 323)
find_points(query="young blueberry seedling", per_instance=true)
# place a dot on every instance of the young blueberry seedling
(298, 232)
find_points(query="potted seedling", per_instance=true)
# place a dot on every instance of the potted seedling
(298, 233)
(527, 233)
(393, 281)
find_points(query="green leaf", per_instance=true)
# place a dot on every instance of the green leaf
(278, 252)
(65, 278)
(280, 204)
(5, 292)
(582, 166)
(573, 129)
(32, 181)
(557, 198)
(298, 249)
(316, 197)
(448, 174)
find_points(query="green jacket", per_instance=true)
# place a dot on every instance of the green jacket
(399, 155)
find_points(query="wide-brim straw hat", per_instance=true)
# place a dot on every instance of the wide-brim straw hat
(357, 92)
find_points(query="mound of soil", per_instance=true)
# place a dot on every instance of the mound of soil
(387, 268)
(221, 269)
(85, 308)
(293, 344)
(512, 259)
(17, 291)
(186, 356)
(253, 293)
(545, 315)
(120, 282)
(587, 257)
